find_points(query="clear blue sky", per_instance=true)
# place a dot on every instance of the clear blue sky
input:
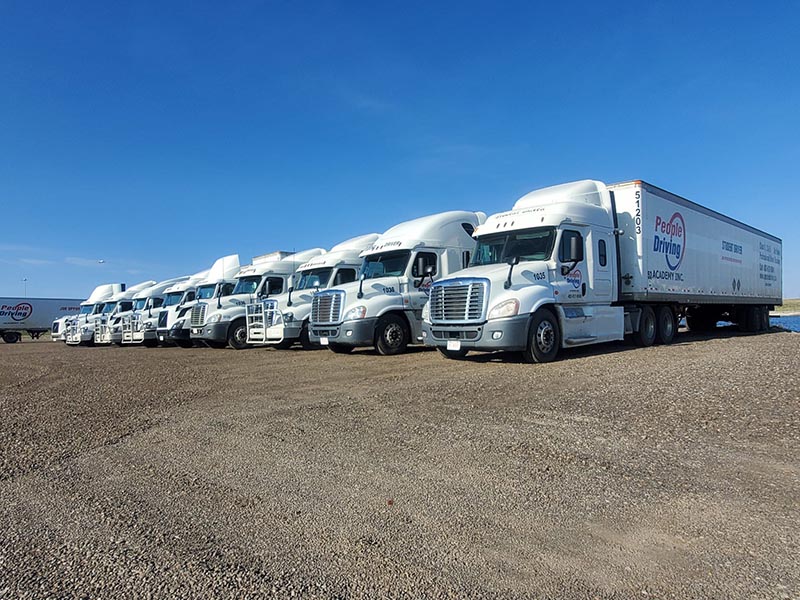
(158, 136)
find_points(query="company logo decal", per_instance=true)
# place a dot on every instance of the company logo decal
(575, 278)
(20, 312)
(670, 239)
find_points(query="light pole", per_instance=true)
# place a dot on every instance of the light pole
(25, 287)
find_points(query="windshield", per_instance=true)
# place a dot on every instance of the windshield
(98, 308)
(172, 298)
(108, 307)
(204, 292)
(139, 303)
(86, 310)
(528, 244)
(385, 264)
(247, 285)
(315, 278)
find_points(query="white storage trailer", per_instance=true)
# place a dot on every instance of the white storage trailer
(585, 262)
(34, 316)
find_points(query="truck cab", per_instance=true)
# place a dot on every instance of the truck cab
(221, 321)
(173, 326)
(80, 328)
(140, 324)
(111, 315)
(283, 319)
(383, 309)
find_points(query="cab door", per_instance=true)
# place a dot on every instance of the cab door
(572, 283)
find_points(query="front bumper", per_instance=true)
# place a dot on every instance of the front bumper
(349, 333)
(498, 334)
(284, 331)
(215, 332)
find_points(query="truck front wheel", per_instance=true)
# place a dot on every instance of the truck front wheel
(237, 335)
(646, 335)
(544, 339)
(11, 337)
(666, 325)
(391, 335)
(454, 354)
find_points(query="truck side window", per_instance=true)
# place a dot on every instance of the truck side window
(345, 276)
(227, 289)
(189, 296)
(273, 285)
(465, 256)
(563, 249)
(428, 258)
(601, 253)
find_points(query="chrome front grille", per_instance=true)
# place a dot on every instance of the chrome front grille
(458, 301)
(198, 318)
(326, 307)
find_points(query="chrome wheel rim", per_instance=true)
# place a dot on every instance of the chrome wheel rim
(240, 335)
(650, 327)
(545, 336)
(393, 335)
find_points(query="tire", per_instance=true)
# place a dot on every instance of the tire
(765, 326)
(666, 325)
(454, 354)
(284, 345)
(391, 335)
(237, 335)
(11, 337)
(340, 348)
(305, 340)
(150, 343)
(646, 336)
(544, 338)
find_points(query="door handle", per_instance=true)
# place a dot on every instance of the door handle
(583, 289)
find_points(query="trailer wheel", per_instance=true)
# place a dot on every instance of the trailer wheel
(454, 354)
(666, 325)
(11, 337)
(237, 335)
(646, 335)
(391, 335)
(544, 339)
(340, 348)
(765, 326)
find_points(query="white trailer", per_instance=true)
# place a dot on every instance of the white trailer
(80, 328)
(173, 322)
(584, 262)
(283, 319)
(34, 316)
(222, 322)
(384, 308)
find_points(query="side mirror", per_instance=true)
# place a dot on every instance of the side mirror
(575, 249)
(429, 270)
(512, 261)
(362, 277)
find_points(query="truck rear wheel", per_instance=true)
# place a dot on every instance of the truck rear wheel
(11, 337)
(237, 335)
(391, 335)
(544, 339)
(666, 325)
(646, 335)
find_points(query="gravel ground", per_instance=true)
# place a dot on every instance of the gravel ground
(666, 472)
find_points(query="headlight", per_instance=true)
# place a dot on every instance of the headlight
(426, 312)
(507, 308)
(149, 325)
(217, 317)
(288, 317)
(359, 312)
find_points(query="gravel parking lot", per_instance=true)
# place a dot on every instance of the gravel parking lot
(667, 472)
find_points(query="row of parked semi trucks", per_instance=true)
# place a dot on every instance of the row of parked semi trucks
(569, 265)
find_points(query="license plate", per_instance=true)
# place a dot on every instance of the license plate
(195, 330)
(161, 337)
(454, 345)
(323, 341)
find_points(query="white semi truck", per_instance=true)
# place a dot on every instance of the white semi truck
(283, 319)
(175, 297)
(80, 328)
(139, 325)
(584, 262)
(383, 309)
(221, 321)
(173, 324)
(119, 303)
(33, 315)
